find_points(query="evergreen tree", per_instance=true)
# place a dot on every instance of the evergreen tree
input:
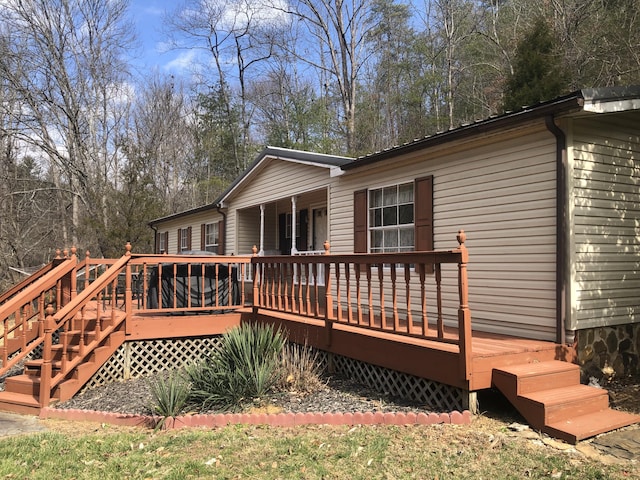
(538, 74)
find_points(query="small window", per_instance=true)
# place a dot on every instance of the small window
(391, 219)
(184, 239)
(162, 244)
(211, 237)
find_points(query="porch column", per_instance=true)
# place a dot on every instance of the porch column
(261, 252)
(294, 250)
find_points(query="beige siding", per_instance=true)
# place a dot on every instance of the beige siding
(605, 198)
(502, 194)
(194, 221)
(273, 185)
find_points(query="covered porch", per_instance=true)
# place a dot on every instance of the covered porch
(270, 227)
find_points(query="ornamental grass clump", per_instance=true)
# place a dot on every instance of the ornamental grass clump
(242, 370)
(301, 369)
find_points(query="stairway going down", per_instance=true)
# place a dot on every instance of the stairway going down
(77, 356)
(551, 398)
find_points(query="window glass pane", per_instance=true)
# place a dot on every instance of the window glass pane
(375, 217)
(375, 198)
(406, 238)
(390, 195)
(405, 193)
(390, 240)
(376, 239)
(405, 214)
(390, 216)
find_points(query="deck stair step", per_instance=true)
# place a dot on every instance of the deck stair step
(551, 398)
(21, 393)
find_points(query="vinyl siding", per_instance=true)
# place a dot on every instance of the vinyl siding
(194, 221)
(273, 184)
(605, 199)
(502, 193)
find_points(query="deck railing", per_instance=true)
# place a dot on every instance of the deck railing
(22, 314)
(395, 293)
(188, 283)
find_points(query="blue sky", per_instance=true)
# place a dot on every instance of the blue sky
(147, 15)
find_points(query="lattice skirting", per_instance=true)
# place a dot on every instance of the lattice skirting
(141, 358)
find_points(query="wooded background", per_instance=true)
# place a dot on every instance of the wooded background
(93, 149)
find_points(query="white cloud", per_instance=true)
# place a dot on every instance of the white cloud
(184, 61)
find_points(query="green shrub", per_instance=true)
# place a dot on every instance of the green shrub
(243, 368)
(170, 395)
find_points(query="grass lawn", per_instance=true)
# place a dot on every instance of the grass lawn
(484, 449)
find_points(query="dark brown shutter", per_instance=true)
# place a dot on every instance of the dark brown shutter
(189, 238)
(203, 232)
(423, 209)
(179, 240)
(166, 242)
(360, 221)
(157, 249)
(221, 237)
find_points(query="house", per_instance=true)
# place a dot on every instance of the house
(547, 195)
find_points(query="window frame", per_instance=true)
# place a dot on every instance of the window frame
(383, 210)
(211, 247)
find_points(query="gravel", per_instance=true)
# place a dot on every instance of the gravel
(337, 394)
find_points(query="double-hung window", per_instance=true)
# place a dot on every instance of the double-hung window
(162, 243)
(395, 218)
(185, 239)
(211, 237)
(391, 219)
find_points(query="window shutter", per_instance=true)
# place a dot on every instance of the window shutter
(423, 209)
(189, 238)
(423, 206)
(166, 242)
(179, 240)
(203, 229)
(360, 221)
(221, 238)
(158, 242)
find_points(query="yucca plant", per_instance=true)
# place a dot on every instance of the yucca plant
(170, 396)
(244, 367)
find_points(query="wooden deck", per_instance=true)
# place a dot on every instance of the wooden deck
(369, 308)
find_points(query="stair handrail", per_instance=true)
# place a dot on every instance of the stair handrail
(26, 296)
(56, 321)
(25, 282)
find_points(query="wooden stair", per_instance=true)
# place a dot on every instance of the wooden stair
(22, 392)
(551, 398)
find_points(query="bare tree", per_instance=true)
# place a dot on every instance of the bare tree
(64, 63)
(238, 38)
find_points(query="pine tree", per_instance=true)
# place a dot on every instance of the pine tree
(538, 74)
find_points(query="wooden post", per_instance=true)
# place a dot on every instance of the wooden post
(87, 269)
(328, 299)
(128, 300)
(73, 273)
(46, 370)
(464, 314)
(255, 274)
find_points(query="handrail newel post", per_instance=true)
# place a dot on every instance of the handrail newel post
(255, 274)
(73, 274)
(128, 298)
(464, 314)
(46, 370)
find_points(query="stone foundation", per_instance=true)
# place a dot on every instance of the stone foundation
(607, 352)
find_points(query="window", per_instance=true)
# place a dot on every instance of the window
(391, 220)
(185, 239)
(211, 237)
(396, 218)
(162, 243)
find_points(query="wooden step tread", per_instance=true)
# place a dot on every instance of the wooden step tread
(585, 426)
(572, 393)
(19, 399)
(524, 370)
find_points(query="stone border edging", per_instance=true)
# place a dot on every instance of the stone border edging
(276, 420)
